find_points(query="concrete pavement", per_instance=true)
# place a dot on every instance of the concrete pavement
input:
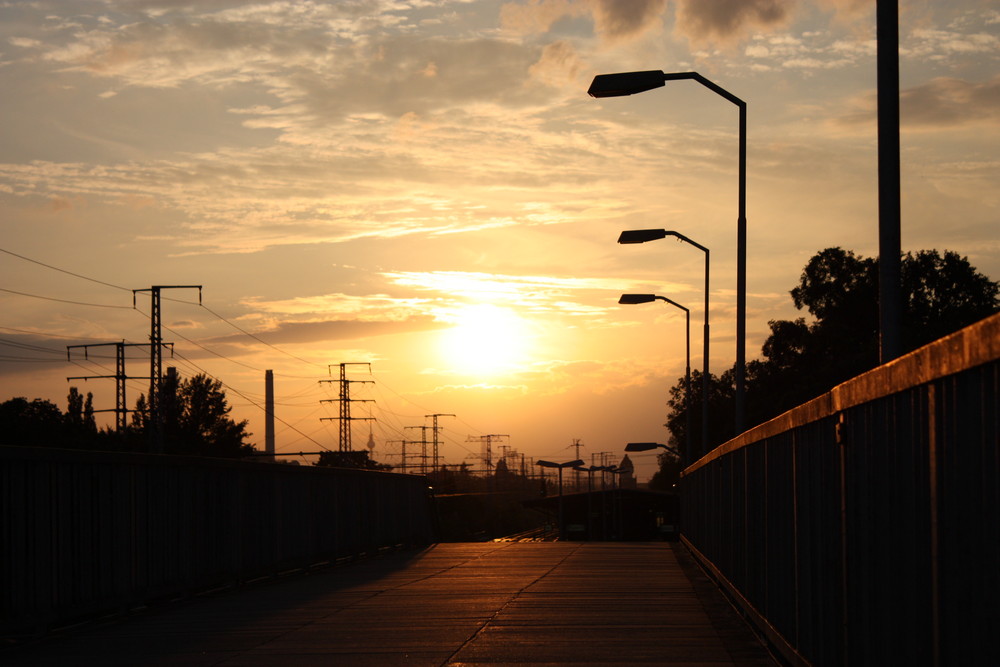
(549, 603)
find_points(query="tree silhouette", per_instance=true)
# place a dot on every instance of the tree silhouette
(360, 459)
(668, 474)
(80, 411)
(802, 359)
(195, 419)
(35, 423)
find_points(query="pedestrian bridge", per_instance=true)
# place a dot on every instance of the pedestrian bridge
(553, 603)
(861, 528)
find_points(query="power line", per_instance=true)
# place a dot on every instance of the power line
(252, 402)
(42, 333)
(259, 340)
(29, 346)
(125, 289)
(52, 298)
(70, 273)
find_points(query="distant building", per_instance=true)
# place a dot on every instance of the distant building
(626, 474)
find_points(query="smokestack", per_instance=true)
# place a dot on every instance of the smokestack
(269, 414)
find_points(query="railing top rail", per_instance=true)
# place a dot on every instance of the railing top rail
(967, 348)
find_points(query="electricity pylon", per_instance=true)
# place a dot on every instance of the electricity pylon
(121, 408)
(156, 359)
(436, 461)
(345, 400)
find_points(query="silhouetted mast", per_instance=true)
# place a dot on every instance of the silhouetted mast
(345, 400)
(436, 460)
(155, 425)
(269, 413)
(121, 408)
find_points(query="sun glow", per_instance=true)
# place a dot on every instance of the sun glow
(486, 340)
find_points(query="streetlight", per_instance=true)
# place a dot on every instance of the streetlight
(630, 83)
(649, 446)
(644, 235)
(560, 466)
(630, 299)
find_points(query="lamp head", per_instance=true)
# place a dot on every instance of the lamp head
(641, 235)
(632, 299)
(625, 83)
(641, 446)
(567, 464)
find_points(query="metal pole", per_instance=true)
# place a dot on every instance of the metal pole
(741, 247)
(704, 375)
(269, 413)
(889, 242)
(741, 278)
(155, 426)
(562, 529)
(687, 392)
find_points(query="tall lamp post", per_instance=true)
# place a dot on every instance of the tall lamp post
(890, 300)
(642, 236)
(630, 83)
(560, 466)
(648, 298)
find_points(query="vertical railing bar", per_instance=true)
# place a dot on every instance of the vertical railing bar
(932, 461)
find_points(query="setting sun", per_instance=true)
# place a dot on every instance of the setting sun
(485, 340)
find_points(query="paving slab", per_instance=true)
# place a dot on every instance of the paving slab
(510, 603)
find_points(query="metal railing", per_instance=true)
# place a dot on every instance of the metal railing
(85, 533)
(863, 527)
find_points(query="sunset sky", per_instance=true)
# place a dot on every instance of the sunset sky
(426, 186)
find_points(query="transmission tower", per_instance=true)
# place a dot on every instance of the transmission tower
(576, 473)
(345, 400)
(121, 407)
(422, 466)
(156, 359)
(436, 460)
(402, 443)
(486, 447)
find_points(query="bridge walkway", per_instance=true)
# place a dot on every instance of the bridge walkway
(555, 603)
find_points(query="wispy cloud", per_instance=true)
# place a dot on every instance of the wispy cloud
(807, 51)
(613, 21)
(726, 21)
(942, 103)
(295, 333)
(569, 296)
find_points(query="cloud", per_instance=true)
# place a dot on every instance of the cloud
(324, 62)
(726, 21)
(941, 103)
(614, 20)
(941, 45)
(293, 333)
(849, 9)
(393, 80)
(806, 52)
(559, 64)
(526, 292)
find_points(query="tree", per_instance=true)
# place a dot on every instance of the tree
(36, 423)
(721, 406)
(669, 473)
(360, 459)
(80, 412)
(802, 359)
(943, 294)
(195, 419)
